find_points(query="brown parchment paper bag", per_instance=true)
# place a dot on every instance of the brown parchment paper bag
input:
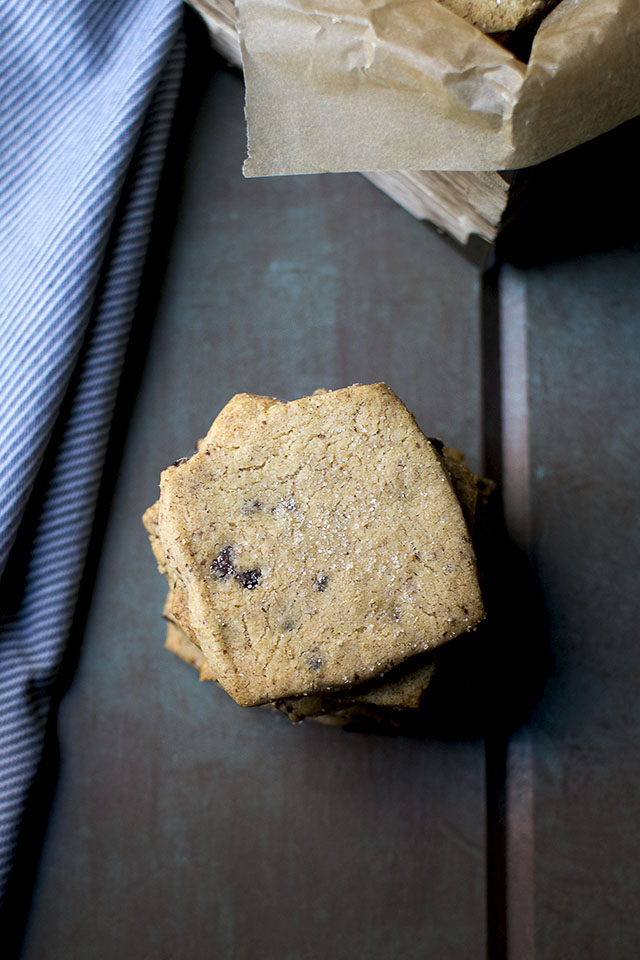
(409, 85)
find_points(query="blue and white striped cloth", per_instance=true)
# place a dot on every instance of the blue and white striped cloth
(88, 91)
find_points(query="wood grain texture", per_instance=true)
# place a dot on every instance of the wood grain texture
(584, 769)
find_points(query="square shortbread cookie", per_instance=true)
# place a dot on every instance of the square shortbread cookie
(317, 543)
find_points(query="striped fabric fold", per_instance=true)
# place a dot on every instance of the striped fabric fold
(89, 92)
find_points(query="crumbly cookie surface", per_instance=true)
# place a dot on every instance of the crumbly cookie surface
(495, 16)
(317, 543)
(402, 689)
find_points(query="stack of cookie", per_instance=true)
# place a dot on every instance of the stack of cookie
(318, 552)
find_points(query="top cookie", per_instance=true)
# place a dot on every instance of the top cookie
(318, 543)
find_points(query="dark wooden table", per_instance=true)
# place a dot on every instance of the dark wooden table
(182, 826)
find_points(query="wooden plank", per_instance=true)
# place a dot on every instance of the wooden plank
(184, 826)
(574, 812)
